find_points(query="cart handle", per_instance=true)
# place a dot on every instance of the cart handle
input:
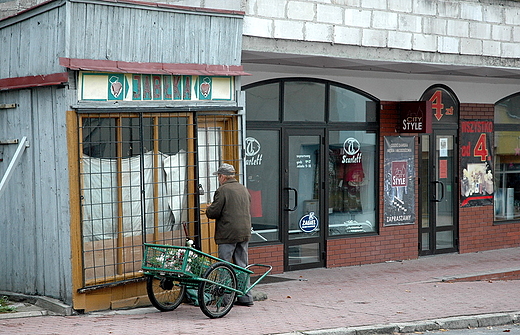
(269, 268)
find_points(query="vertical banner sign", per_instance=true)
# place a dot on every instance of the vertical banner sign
(476, 187)
(399, 193)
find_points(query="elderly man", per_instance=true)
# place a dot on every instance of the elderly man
(231, 210)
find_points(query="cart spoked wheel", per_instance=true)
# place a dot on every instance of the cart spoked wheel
(164, 294)
(215, 300)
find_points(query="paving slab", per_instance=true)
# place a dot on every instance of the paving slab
(403, 296)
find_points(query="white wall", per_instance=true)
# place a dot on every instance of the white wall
(468, 27)
(393, 87)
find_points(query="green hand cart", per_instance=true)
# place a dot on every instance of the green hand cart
(171, 270)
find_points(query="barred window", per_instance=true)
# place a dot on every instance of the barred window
(141, 180)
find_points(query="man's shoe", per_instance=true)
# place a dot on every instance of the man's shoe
(244, 303)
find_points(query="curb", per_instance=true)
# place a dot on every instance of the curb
(458, 322)
(43, 306)
(17, 315)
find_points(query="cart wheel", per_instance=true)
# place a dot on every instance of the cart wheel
(214, 299)
(164, 294)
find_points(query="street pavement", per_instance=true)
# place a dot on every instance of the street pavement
(450, 291)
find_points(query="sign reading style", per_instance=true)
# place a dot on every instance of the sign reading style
(415, 117)
(399, 193)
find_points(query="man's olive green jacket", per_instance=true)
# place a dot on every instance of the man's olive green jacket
(231, 210)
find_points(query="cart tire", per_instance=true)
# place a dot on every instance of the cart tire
(165, 294)
(214, 300)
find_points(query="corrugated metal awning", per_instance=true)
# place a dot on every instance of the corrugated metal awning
(152, 68)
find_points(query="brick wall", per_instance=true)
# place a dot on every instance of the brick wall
(268, 255)
(477, 231)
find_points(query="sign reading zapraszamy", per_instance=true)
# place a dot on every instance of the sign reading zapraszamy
(399, 181)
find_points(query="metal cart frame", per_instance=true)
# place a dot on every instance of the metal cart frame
(171, 270)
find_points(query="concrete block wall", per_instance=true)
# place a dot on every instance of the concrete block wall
(471, 27)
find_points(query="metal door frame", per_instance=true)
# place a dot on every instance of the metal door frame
(287, 132)
(432, 196)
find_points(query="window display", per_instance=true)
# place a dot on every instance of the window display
(507, 159)
(351, 182)
(310, 152)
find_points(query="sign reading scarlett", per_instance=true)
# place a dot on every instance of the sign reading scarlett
(252, 149)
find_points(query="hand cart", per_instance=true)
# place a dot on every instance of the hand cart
(171, 270)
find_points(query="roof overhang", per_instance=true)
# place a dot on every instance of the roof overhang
(34, 81)
(152, 68)
(396, 67)
(378, 61)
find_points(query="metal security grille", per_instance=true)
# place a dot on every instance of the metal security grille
(143, 177)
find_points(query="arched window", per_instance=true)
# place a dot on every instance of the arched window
(344, 117)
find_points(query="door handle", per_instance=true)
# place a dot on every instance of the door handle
(295, 199)
(442, 190)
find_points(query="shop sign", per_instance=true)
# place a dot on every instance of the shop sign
(96, 86)
(308, 223)
(399, 171)
(351, 149)
(444, 105)
(415, 117)
(252, 151)
(476, 163)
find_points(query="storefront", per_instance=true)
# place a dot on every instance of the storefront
(145, 173)
(355, 176)
(121, 134)
(311, 153)
(363, 134)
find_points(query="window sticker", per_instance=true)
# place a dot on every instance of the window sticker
(303, 161)
(309, 223)
(252, 149)
(443, 147)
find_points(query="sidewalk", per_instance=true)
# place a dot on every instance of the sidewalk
(444, 291)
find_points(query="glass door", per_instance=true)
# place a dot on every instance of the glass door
(439, 193)
(302, 204)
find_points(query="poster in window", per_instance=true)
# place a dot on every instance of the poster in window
(399, 179)
(476, 163)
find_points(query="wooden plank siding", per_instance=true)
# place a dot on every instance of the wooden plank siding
(35, 220)
(33, 43)
(40, 228)
(132, 34)
(116, 31)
